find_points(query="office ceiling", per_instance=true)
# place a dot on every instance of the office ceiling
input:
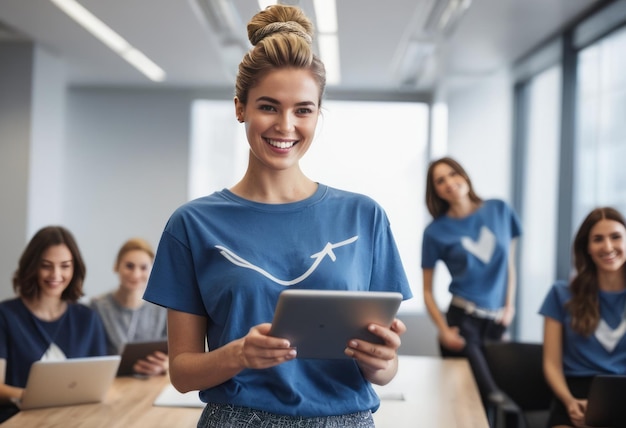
(373, 38)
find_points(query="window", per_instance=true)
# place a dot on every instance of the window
(600, 177)
(540, 180)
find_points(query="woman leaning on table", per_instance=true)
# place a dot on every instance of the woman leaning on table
(476, 240)
(45, 320)
(585, 318)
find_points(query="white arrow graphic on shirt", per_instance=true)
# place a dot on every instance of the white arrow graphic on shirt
(327, 251)
(483, 248)
(607, 336)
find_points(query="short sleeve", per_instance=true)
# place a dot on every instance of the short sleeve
(173, 282)
(553, 305)
(430, 254)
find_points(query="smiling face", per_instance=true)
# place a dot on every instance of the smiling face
(280, 116)
(56, 269)
(449, 184)
(607, 245)
(133, 270)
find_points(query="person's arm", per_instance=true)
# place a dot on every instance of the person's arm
(154, 364)
(448, 336)
(378, 363)
(192, 368)
(553, 370)
(508, 311)
(9, 394)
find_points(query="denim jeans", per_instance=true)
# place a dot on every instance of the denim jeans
(229, 416)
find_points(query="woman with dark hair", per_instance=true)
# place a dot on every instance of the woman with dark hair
(45, 320)
(476, 240)
(585, 319)
(223, 259)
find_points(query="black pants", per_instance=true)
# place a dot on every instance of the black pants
(475, 331)
(579, 387)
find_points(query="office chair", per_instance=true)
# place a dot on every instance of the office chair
(517, 369)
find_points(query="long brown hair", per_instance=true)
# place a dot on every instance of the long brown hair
(584, 305)
(25, 279)
(435, 204)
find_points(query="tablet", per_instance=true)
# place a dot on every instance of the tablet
(134, 351)
(320, 323)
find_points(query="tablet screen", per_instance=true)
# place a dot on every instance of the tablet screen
(320, 323)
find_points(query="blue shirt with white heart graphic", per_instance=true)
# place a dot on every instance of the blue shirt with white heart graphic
(475, 250)
(604, 351)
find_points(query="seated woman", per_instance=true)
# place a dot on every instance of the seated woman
(584, 319)
(126, 316)
(45, 320)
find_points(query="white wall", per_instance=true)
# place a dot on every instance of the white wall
(16, 61)
(126, 171)
(47, 143)
(480, 134)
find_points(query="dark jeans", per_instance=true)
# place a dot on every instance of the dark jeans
(475, 331)
(228, 416)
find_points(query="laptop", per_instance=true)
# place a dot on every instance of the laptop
(134, 351)
(68, 382)
(605, 402)
(319, 323)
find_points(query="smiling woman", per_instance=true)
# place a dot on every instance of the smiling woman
(585, 319)
(476, 239)
(223, 259)
(45, 322)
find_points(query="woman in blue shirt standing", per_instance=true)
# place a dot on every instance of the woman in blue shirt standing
(476, 240)
(223, 259)
(585, 319)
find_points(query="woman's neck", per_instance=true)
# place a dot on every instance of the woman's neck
(47, 309)
(278, 187)
(128, 299)
(462, 208)
(612, 281)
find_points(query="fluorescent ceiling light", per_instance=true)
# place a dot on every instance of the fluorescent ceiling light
(328, 38)
(326, 14)
(329, 53)
(265, 3)
(114, 41)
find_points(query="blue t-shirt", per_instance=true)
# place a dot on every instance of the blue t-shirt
(475, 250)
(604, 351)
(228, 258)
(24, 338)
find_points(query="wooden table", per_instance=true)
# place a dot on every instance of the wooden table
(436, 394)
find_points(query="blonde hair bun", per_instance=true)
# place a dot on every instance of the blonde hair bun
(280, 19)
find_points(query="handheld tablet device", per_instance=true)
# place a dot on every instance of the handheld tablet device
(319, 323)
(134, 351)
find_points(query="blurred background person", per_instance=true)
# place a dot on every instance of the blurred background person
(476, 239)
(126, 316)
(585, 318)
(45, 320)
